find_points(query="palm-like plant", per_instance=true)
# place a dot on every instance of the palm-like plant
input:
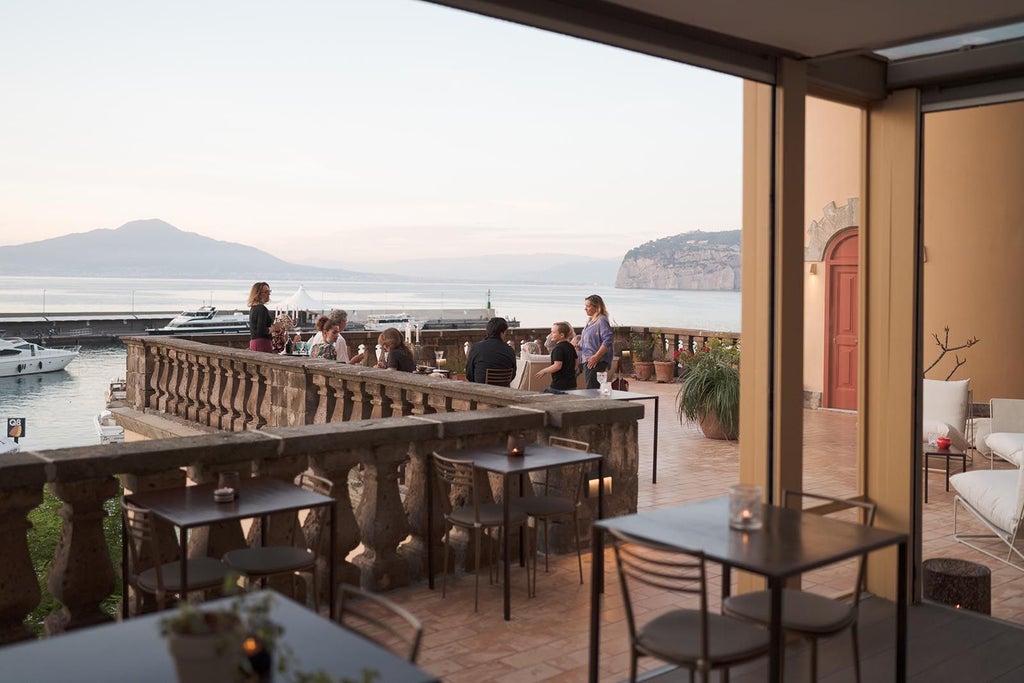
(711, 386)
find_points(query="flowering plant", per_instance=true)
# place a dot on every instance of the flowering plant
(283, 324)
(711, 384)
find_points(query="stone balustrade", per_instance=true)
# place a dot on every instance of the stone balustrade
(369, 431)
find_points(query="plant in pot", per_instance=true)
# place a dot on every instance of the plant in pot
(664, 369)
(456, 364)
(642, 346)
(710, 391)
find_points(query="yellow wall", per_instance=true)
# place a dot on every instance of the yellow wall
(974, 239)
(833, 174)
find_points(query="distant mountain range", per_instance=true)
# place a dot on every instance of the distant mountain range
(155, 249)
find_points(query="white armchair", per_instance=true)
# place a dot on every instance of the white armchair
(996, 499)
(944, 411)
(1007, 437)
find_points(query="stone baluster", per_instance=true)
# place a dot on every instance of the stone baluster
(326, 397)
(336, 467)
(380, 402)
(207, 403)
(397, 400)
(161, 368)
(382, 522)
(174, 377)
(416, 482)
(439, 403)
(419, 402)
(240, 395)
(255, 396)
(229, 414)
(20, 593)
(196, 366)
(81, 576)
(362, 399)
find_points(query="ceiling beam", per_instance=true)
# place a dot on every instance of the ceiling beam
(981, 62)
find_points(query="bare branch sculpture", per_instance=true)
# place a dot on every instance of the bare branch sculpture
(945, 348)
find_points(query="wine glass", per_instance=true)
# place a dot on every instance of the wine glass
(439, 356)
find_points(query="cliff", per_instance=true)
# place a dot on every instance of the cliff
(692, 260)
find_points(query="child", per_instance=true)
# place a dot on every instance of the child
(563, 359)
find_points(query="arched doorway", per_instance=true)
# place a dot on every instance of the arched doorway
(841, 321)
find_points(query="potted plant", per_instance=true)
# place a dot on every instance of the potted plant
(710, 392)
(642, 346)
(664, 369)
(456, 364)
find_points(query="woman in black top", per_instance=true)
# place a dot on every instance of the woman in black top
(563, 359)
(260, 318)
(398, 355)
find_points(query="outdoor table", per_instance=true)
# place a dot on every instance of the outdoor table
(131, 651)
(790, 543)
(933, 451)
(617, 395)
(193, 506)
(496, 459)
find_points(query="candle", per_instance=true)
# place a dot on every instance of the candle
(442, 363)
(745, 507)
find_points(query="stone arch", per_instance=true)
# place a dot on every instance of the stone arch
(835, 221)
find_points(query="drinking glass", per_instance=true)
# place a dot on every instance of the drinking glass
(439, 356)
(745, 507)
(229, 480)
(605, 387)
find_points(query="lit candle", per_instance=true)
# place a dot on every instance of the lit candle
(745, 515)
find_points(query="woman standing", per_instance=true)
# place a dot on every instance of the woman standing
(595, 341)
(396, 354)
(259, 318)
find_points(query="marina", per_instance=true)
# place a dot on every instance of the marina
(20, 357)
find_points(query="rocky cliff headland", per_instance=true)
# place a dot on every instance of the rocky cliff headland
(692, 260)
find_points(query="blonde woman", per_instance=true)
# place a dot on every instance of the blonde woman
(396, 354)
(260, 319)
(595, 344)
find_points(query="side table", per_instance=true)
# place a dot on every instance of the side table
(933, 451)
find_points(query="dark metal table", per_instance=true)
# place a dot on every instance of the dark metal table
(496, 459)
(193, 506)
(933, 451)
(616, 395)
(131, 651)
(790, 543)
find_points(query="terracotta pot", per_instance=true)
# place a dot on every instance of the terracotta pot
(206, 658)
(664, 370)
(460, 376)
(644, 369)
(712, 428)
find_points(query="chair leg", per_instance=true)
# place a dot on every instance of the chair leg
(856, 652)
(547, 534)
(632, 665)
(579, 553)
(814, 659)
(476, 571)
(444, 570)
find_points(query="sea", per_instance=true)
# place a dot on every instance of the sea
(59, 407)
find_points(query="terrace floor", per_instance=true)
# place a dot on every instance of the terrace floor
(547, 638)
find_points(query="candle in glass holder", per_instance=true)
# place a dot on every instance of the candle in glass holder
(745, 507)
(442, 363)
(516, 445)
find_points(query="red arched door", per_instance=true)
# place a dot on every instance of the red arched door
(841, 316)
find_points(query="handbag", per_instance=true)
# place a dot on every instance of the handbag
(620, 384)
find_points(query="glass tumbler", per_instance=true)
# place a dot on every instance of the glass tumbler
(745, 507)
(229, 480)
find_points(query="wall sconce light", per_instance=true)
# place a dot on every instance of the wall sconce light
(814, 268)
(592, 487)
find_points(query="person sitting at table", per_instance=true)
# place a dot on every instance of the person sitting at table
(492, 352)
(396, 354)
(319, 336)
(325, 347)
(563, 359)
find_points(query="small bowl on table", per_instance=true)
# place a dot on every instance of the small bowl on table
(943, 442)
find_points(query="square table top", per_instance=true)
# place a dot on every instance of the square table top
(790, 542)
(932, 449)
(536, 457)
(615, 394)
(134, 650)
(190, 506)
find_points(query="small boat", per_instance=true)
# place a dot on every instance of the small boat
(205, 320)
(19, 357)
(117, 392)
(8, 445)
(108, 429)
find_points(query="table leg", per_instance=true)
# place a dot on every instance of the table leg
(332, 561)
(506, 486)
(726, 581)
(777, 642)
(522, 534)
(596, 586)
(901, 613)
(183, 562)
(947, 472)
(429, 497)
(926, 471)
(654, 473)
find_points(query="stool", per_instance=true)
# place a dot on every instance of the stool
(958, 583)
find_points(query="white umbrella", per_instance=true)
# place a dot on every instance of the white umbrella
(299, 301)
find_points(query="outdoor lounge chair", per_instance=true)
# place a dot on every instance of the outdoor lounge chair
(944, 411)
(995, 498)
(1006, 439)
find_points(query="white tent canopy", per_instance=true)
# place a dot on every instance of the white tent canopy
(299, 301)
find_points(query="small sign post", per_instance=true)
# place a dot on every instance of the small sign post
(15, 428)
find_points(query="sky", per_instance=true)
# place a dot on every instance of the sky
(340, 132)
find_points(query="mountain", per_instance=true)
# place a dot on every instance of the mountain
(691, 260)
(153, 248)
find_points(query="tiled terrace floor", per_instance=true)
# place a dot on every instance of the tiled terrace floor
(547, 638)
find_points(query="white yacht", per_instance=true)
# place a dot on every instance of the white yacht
(205, 320)
(382, 321)
(19, 357)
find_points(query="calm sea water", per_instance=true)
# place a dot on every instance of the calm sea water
(60, 406)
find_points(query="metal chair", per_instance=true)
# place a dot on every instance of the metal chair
(558, 497)
(693, 638)
(379, 619)
(263, 562)
(162, 578)
(476, 517)
(806, 614)
(499, 376)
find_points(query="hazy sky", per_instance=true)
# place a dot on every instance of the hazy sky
(341, 131)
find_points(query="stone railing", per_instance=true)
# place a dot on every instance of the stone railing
(277, 416)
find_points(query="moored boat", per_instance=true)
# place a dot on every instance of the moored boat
(107, 428)
(205, 320)
(19, 357)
